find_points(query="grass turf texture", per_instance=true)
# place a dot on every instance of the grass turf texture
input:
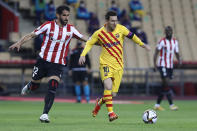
(23, 116)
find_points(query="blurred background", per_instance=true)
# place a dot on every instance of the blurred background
(147, 20)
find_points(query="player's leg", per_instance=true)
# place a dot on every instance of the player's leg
(31, 86)
(54, 72)
(160, 91)
(78, 91)
(105, 73)
(49, 98)
(37, 74)
(77, 87)
(168, 90)
(115, 87)
(86, 88)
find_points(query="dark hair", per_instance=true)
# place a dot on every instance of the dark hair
(110, 13)
(168, 28)
(61, 8)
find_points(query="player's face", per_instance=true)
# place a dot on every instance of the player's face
(113, 20)
(168, 32)
(63, 18)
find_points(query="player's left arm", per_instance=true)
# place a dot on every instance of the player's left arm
(178, 58)
(134, 37)
(177, 53)
(140, 43)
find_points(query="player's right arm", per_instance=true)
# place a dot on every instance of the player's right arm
(41, 29)
(157, 50)
(155, 59)
(18, 44)
(88, 47)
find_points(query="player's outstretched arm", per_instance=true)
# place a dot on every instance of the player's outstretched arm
(18, 44)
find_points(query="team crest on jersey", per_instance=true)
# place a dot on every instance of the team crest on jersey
(68, 33)
(117, 35)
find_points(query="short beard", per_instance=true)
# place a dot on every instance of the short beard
(62, 22)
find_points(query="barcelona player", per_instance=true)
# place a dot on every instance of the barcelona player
(111, 38)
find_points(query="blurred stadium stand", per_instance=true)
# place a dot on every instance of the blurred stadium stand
(139, 79)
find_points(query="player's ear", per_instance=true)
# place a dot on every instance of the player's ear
(57, 15)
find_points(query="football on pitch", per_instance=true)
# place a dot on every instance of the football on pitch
(149, 116)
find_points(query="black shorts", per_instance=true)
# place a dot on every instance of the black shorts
(44, 68)
(79, 76)
(166, 72)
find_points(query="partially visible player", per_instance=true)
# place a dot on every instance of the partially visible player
(111, 38)
(80, 73)
(167, 47)
(52, 56)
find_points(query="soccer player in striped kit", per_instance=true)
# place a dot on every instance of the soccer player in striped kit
(111, 38)
(52, 57)
(167, 47)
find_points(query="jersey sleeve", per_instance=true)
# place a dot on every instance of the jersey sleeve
(176, 46)
(76, 33)
(41, 29)
(93, 39)
(126, 32)
(160, 44)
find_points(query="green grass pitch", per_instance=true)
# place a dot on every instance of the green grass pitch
(23, 116)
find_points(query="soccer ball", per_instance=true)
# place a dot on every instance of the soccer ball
(149, 116)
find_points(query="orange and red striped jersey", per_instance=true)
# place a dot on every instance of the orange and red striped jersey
(112, 45)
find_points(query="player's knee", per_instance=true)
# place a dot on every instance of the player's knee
(53, 85)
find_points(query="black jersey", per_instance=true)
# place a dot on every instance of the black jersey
(74, 60)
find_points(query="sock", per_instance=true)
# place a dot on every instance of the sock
(78, 92)
(86, 89)
(159, 99)
(33, 86)
(50, 96)
(101, 101)
(108, 100)
(169, 97)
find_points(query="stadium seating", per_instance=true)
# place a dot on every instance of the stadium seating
(180, 14)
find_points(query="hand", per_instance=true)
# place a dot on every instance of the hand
(16, 45)
(179, 63)
(82, 60)
(147, 47)
(89, 71)
(155, 68)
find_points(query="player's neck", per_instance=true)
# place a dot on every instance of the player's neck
(109, 29)
(169, 38)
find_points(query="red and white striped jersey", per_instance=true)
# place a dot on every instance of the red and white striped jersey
(167, 49)
(56, 41)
